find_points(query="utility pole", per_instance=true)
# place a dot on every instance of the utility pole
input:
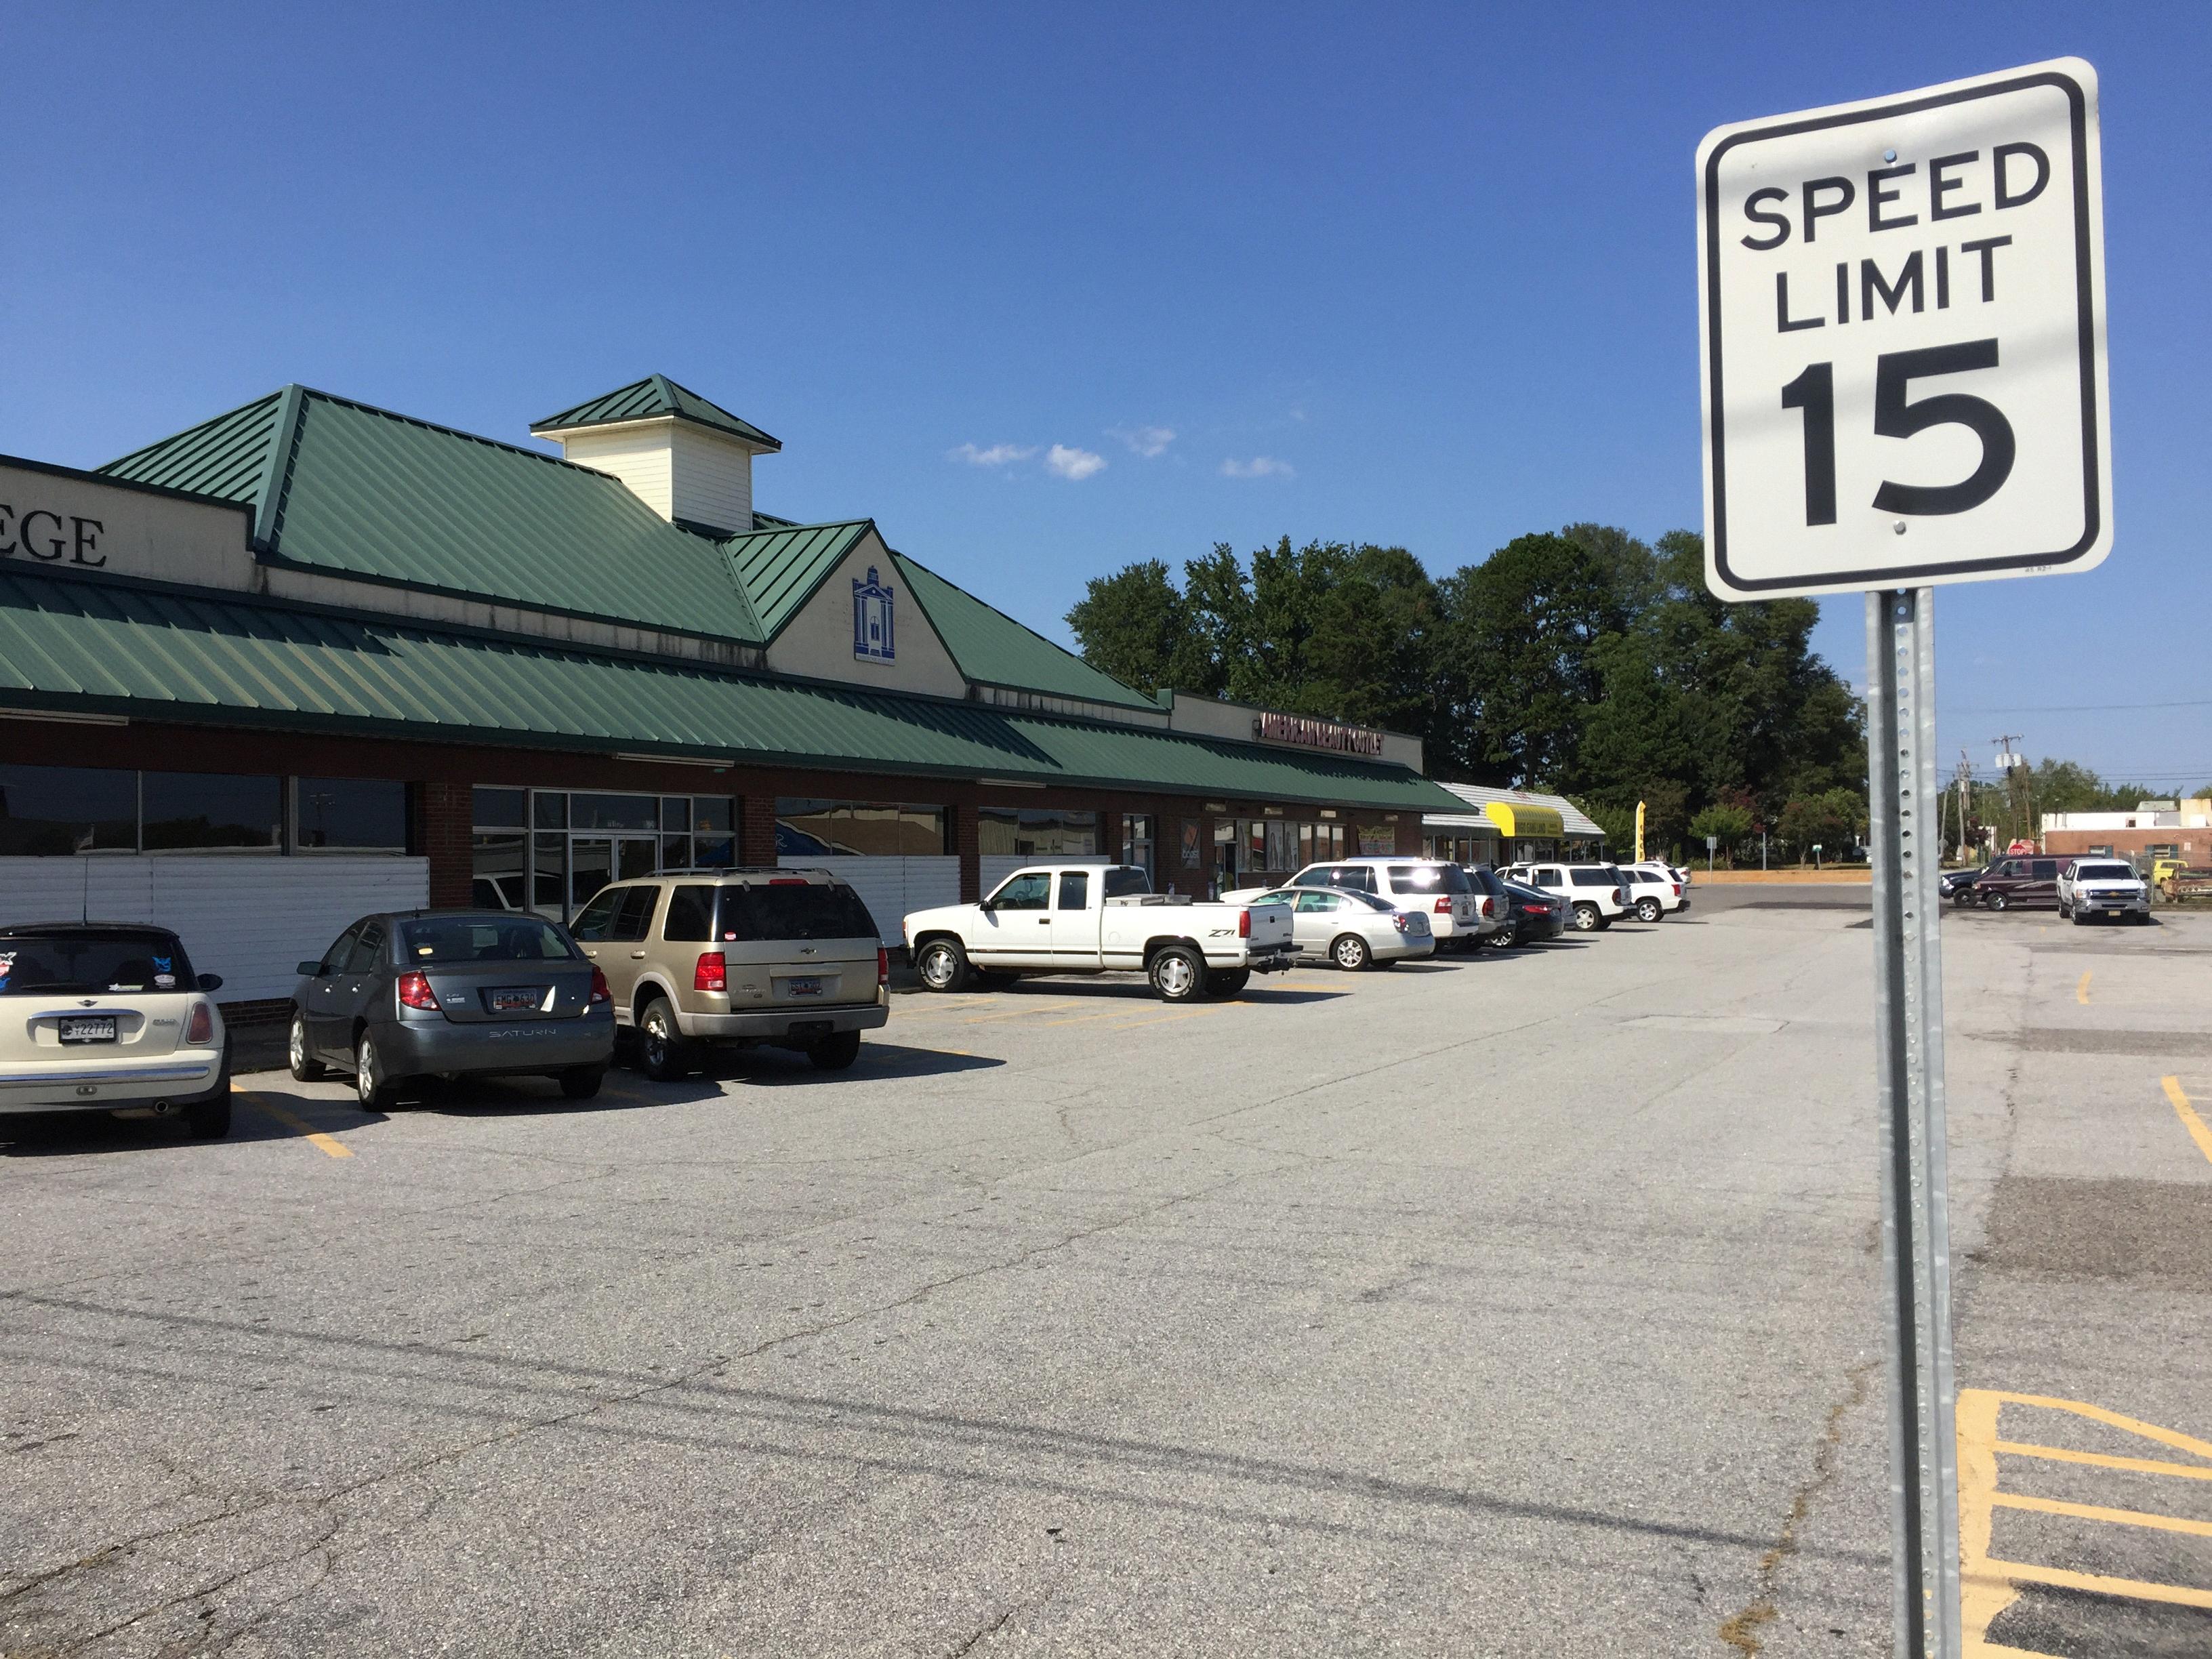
(2020, 805)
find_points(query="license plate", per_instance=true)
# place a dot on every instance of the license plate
(523, 1001)
(803, 988)
(95, 1029)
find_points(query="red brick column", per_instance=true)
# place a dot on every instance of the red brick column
(967, 844)
(1409, 833)
(756, 830)
(443, 814)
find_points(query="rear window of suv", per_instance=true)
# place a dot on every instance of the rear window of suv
(1430, 878)
(54, 964)
(800, 910)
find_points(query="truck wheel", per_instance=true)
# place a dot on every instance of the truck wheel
(1647, 909)
(836, 1052)
(1587, 919)
(662, 1047)
(1994, 902)
(942, 964)
(1178, 974)
(1350, 951)
(1227, 982)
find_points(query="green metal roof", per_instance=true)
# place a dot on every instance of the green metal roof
(780, 568)
(227, 457)
(158, 654)
(651, 398)
(991, 647)
(360, 492)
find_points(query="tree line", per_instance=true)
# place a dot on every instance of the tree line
(1582, 662)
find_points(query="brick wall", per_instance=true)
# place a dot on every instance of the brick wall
(442, 814)
(756, 830)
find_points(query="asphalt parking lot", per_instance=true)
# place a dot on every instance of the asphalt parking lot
(1520, 1305)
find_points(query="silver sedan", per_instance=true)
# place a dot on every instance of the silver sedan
(1353, 930)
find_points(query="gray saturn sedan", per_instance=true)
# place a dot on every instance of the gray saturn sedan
(452, 993)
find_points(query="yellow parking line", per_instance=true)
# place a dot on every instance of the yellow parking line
(2199, 1131)
(2103, 1460)
(1186, 1013)
(2081, 991)
(1018, 1013)
(328, 1144)
(2013, 1500)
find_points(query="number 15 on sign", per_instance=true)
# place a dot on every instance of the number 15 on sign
(1904, 339)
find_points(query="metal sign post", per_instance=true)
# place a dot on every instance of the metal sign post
(1916, 1231)
(1904, 385)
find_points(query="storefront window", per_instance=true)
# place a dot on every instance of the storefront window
(199, 809)
(1137, 841)
(1045, 832)
(550, 809)
(353, 814)
(807, 827)
(586, 839)
(500, 808)
(49, 811)
(594, 811)
(497, 882)
(714, 837)
(1378, 838)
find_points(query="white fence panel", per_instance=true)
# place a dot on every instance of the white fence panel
(891, 887)
(252, 918)
(997, 866)
(104, 887)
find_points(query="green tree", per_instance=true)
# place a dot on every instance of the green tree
(1135, 625)
(1726, 822)
(1831, 820)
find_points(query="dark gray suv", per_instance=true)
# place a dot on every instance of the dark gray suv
(452, 993)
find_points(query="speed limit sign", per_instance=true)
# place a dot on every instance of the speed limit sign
(1904, 339)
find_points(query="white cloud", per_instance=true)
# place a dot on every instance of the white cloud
(1074, 465)
(1146, 440)
(1260, 467)
(996, 455)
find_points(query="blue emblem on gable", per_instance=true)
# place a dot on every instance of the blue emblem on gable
(872, 619)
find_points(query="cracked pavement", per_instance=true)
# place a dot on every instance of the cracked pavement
(1509, 1305)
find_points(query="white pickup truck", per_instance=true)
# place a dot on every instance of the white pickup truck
(1098, 919)
(2088, 887)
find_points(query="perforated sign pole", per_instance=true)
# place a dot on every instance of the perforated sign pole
(1916, 1231)
(1904, 385)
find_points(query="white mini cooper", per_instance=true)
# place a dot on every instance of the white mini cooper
(109, 1017)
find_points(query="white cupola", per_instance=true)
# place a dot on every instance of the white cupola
(688, 459)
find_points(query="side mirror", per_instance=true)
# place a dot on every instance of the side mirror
(211, 982)
(309, 969)
(986, 908)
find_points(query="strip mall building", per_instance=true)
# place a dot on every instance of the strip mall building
(311, 659)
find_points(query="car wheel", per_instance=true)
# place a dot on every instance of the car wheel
(1587, 919)
(1350, 951)
(943, 965)
(1227, 982)
(2074, 916)
(306, 1068)
(210, 1118)
(835, 1052)
(1503, 939)
(2065, 913)
(1647, 910)
(371, 1086)
(582, 1082)
(1178, 974)
(662, 1048)
(1994, 902)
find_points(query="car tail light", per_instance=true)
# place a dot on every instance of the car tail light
(1443, 907)
(712, 973)
(788, 881)
(1404, 923)
(1678, 890)
(200, 1026)
(414, 991)
(600, 992)
(883, 966)
(1539, 909)
(1244, 923)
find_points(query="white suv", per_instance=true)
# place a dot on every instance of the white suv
(1654, 891)
(1457, 912)
(1595, 895)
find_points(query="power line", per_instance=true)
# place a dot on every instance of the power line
(2076, 708)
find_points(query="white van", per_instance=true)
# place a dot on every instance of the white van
(1456, 909)
(1595, 895)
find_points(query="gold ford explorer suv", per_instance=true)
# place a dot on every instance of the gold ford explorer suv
(110, 1017)
(737, 957)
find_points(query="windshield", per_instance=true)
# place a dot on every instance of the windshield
(806, 910)
(53, 964)
(443, 939)
(2103, 873)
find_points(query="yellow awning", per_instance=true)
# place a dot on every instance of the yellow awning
(1525, 821)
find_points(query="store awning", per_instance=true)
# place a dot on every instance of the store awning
(91, 646)
(1516, 820)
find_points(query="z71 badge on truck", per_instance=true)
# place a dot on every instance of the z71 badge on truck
(1098, 919)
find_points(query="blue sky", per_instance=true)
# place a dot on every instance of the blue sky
(1414, 275)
